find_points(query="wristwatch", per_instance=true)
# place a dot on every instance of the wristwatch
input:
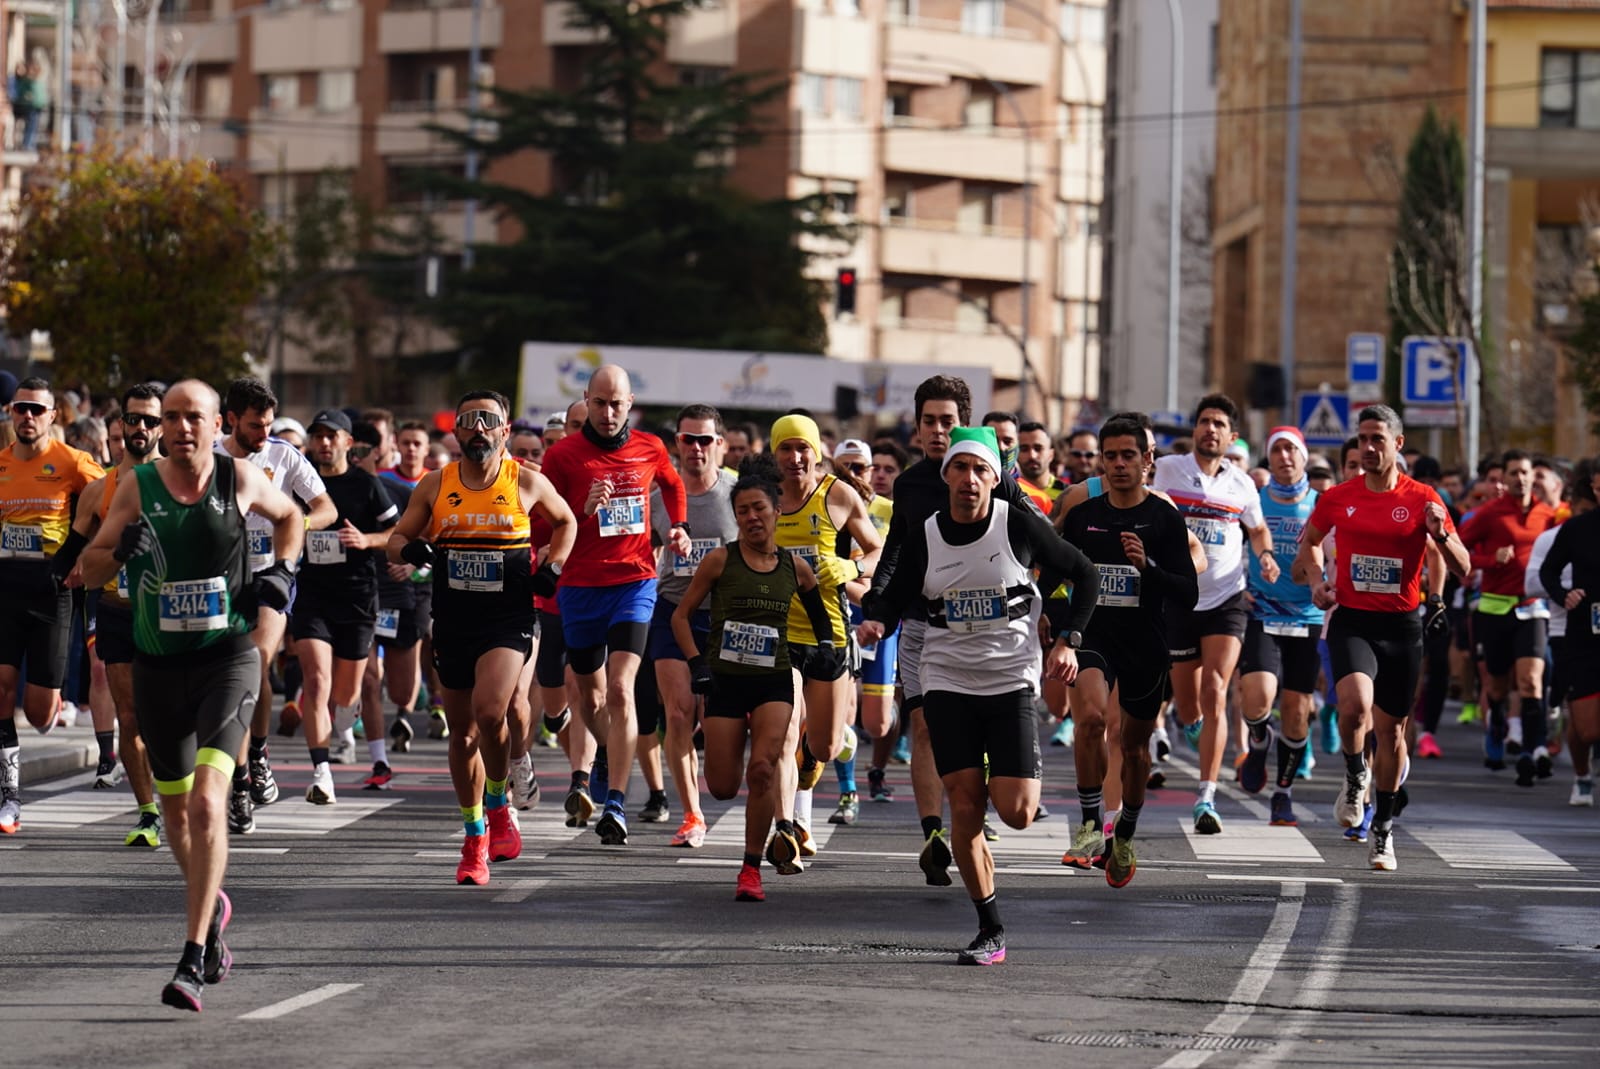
(1074, 639)
(554, 566)
(1441, 538)
(684, 526)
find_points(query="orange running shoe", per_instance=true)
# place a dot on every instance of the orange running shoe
(1427, 746)
(289, 718)
(691, 833)
(505, 834)
(474, 867)
(749, 886)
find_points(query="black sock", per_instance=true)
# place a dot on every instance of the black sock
(1497, 716)
(1383, 814)
(785, 826)
(241, 777)
(1354, 765)
(1128, 820)
(258, 747)
(580, 779)
(753, 860)
(1535, 725)
(600, 757)
(1089, 801)
(1258, 729)
(107, 741)
(657, 796)
(1289, 751)
(931, 825)
(988, 913)
(319, 755)
(8, 733)
(194, 957)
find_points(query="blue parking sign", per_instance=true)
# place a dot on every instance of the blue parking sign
(1429, 362)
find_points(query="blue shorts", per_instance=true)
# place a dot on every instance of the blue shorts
(664, 647)
(879, 663)
(588, 613)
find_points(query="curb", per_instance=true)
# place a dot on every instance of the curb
(45, 760)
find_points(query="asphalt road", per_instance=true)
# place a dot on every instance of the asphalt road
(1260, 947)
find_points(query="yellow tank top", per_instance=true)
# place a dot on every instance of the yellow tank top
(116, 587)
(489, 519)
(809, 533)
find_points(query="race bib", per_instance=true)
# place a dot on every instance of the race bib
(976, 610)
(622, 516)
(807, 554)
(388, 623)
(194, 605)
(22, 540)
(1208, 532)
(755, 645)
(1119, 586)
(698, 548)
(1594, 618)
(324, 547)
(260, 548)
(1287, 630)
(1375, 575)
(476, 570)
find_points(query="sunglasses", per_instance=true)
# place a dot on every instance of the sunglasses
(29, 408)
(149, 423)
(360, 452)
(1085, 454)
(704, 441)
(856, 469)
(479, 417)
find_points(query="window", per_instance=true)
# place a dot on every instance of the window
(814, 94)
(336, 90)
(1083, 22)
(701, 77)
(1569, 89)
(897, 106)
(982, 17)
(973, 312)
(847, 8)
(842, 196)
(216, 95)
(979, 112)
(902, 12)
(280, 92)
(979, 209)
(847, 98)
(891, 306)
(896, 200)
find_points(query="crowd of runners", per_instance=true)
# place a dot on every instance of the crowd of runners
(756, 608)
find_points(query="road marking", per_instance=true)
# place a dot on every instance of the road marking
(1024, 870)
(1568, 889)
(12, 846)
(433, 854)
(299, 1002)
(714, 862)
(1257, 974)
(1267, 843)
(1246, 801)
(1324, 973)
(1251, 878)
(1486, 848)
(66, 783)
(520, 890)
(238, 850)
(300, 817)
(76, 808)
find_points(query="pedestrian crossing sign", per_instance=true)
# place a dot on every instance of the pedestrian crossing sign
(1324, 418)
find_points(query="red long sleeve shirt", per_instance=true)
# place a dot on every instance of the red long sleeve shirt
(613, 545)
(1499, 523)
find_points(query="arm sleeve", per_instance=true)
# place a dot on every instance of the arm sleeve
(888, 560)
(384, 509)
(1559, 556)
(1530, 579)
(903, 587)
(670, 483)
(1169, 568)
(817, 613)
(1034, 540)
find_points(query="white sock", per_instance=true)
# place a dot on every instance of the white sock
(378, 750)
(1208, 792)
(1514, 729)
(1159, 735)
(802, 807)
(347, 738)
(344, 719)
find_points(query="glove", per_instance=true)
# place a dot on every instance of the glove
(419, 553)
(699, 675)
(1435, 623)
(544, 580)
(273, 585)
(136, 538)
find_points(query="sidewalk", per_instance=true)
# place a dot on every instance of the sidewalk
(63, 751)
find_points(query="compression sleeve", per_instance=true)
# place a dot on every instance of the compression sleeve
(1170, 570)
(904, 586)
(65, 557)
(1559, 557)
(1035, 541)
(817, 613)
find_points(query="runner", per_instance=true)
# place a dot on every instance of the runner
(1221, 505)
(1388, 527)
(470, 523)
(1281, 659)
(39, 478)
(608, 588)
(178, 527)
(249, 407)
(411, 445)
(1567, 582)
(1140, 544)
(969, 566)
(742, 664)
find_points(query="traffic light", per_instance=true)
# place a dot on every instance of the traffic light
(844, 300)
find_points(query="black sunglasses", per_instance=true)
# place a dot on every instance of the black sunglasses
(147, 422)
(29, 408)
(704, 441)
(360, 452)
(1085, 454)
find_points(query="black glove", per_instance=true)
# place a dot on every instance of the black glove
(544, 580)
(699, 675)
(273, 585)
(136, 538)
(419, 553)
(1434, 622)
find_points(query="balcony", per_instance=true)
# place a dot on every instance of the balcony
(307, 140)
(439, 26)
(1534, 152)
(402, 130)
(705, 37)
(1013, 57)
(557, 32)
(992, 155)
(306, 39)
(835, 44)
(831, 147)
(924, 248)
(914, 342)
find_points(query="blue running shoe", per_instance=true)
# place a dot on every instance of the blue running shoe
(1307, 763)
(1330, 730)
(1494, 751)
(1253, 772)
(599, 781)
(1206, 821)
(1359, 833)
(613, 826)
(1192, 733)
(1283, 811)
(902, 751)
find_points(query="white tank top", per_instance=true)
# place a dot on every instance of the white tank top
(288, 470)
(1216, 509)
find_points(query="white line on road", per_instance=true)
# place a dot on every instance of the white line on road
(1257, 974)
(1324, 973)
(1271, 879)
(299, 1002)
(520, 890)
(1568, 889)
(239, 850)
(1248, 803)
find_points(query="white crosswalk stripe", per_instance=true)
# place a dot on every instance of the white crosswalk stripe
(1266, 843)
(1486, 848)
(76, 809)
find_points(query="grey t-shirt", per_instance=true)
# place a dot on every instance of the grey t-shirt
(711, 520)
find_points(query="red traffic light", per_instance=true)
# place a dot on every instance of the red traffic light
(847, 278)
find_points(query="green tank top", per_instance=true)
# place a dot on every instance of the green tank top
(186, 590)
(750, 617)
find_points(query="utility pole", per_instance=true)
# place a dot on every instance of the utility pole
(469, 213)
(1477, 48)
(1291, 214)
(1174, 202)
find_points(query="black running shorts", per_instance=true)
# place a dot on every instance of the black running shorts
(1292, 658)
(1386, 647)
(964, 728)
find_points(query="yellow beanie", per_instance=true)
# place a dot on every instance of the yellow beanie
(801, 427)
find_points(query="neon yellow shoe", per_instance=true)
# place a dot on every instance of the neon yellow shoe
(145, 833)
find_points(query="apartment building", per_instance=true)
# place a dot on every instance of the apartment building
(964, 135)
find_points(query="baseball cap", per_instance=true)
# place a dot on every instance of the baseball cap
(332, 417)
(852, 447)
(285, 423)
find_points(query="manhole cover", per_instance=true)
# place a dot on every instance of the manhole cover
(878, 950)
(1162, 1040)
(1214, 897)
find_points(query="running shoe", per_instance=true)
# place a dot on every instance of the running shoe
(437, 727)
(848, 809)
(1206, 821)
(1088, 843)
(1253, 769)
(691, 834)
(1329, 724)
(656, 808)
(989, 948)
(1582, 793)
(1380, 855)
(579, 807)
(547, 738)
(748, 889)
(183, 992)
(401, 733)
(847, 746)
(320, 791)
(1063, 735)
(241, 811)
(1121, 862)
(217, 959)
(10, 811)
(810, 769)
(1543, 766)
(263, 787)
(1191, 734)
(1494, 751)
(524, 787)
(902, 751)
(1307, 763)
(1282, 811)
(990, 835)
(343, 749)
(505, 834)
(1158, 780)
(600, 783)
(474, 866)
(289, 718)
(877, 788)
(1162, 747)
(613, 826)
(379, 780)
(108, 774)
(1347, 807)
(145, 833)
(1525, 770)
(1359, 833)
(1470, 714)
(1428, 747)
(935, 859)
(783, 853)
(802, 835)
(1040, 813)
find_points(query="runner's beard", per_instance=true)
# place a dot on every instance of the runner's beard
(478, 449)
(128, 443)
